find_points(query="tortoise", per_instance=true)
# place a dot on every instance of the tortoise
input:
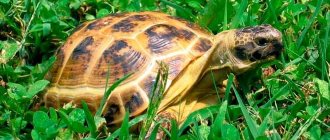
(134, 43)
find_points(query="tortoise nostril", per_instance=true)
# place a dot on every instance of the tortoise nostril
(256, 56)
(261, 41)
(278, 45)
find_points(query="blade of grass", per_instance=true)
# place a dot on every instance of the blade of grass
(174, 130)
(302, 57)
(294, 86)
(323, 49)
(65, 117)
(272, 99)
(134, 121)
(90, 120)
(124, 129)
(199, 114)
(306, 125)
(225, 16)
(26, 31)
(178, 7)
(238, 17)
(218, 123)
(252, 125)
(158, 90)
(215, 86)
(309, 23)
(228, 87)
(264, 124)
(107, 94)
(154, 131)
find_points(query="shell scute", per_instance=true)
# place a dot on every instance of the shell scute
(201, 46)
(134, 102)
(121, 58)
(81, 48)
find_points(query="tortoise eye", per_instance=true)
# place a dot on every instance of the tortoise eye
(262, 41)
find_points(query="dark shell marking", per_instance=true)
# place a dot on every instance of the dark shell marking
(76, 65)
(161, 37)
(202, 45)
(134, 102)
(128, 59)
(147, 84)
(128, 24)
(81, 48)
(112, 110)
(121, 59)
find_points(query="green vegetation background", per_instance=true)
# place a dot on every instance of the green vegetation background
(291, 103)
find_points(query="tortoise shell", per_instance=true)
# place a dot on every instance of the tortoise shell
(123, 44)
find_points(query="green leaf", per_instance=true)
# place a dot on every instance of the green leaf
(18, 123)
(53, 114)
(36, 28)
(323, 88)
(36, 88)
(77, 119)
(46, 29)
(44, 128)
(195, 4)
(314, 133)
(148, 4)
(77, 115)
(326, 136)
(41, 121)
(18, 89)
(75, 4)
(35, 135)
(211, 16)
(5, 1)
(102, 13)
(89, 17)
(7, 51)
(230, 132)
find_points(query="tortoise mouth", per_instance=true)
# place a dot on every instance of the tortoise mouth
(272, 51)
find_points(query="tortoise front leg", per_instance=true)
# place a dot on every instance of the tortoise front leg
(180, 112)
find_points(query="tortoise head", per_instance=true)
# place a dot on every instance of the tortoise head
(243, 48)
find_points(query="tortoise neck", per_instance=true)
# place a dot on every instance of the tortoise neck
(222, 53)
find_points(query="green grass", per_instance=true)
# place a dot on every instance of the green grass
(292, 103)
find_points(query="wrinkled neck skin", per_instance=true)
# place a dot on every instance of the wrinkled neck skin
(218, 62)
(222, 56)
